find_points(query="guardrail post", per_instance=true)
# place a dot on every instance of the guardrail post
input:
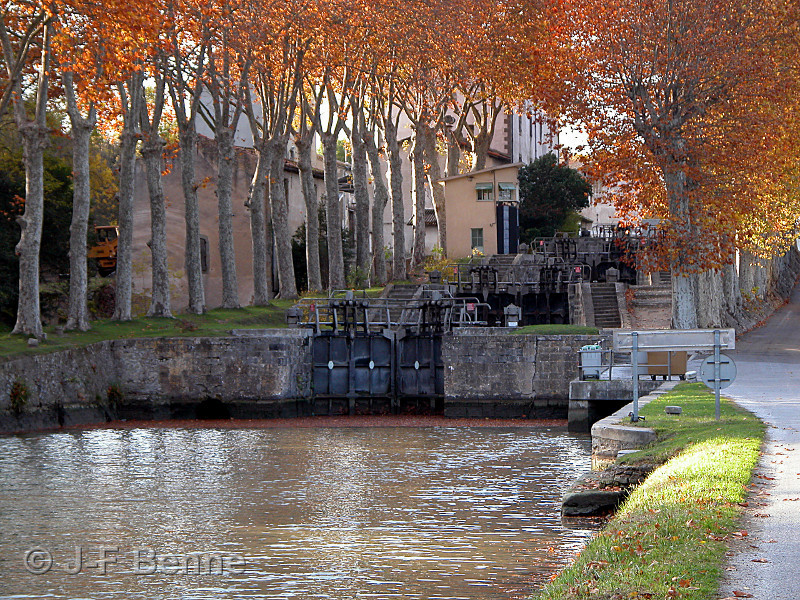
(635, 368)
(716, 373)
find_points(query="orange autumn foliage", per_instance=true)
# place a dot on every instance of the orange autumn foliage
(691, 112)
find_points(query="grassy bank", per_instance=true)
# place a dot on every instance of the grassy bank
(214, 323)
(217, 322)
(546, 329)
(669, 538)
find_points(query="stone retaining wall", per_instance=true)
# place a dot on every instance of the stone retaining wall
(611, 435)
(158, 378)
(492, 372)
(489, 372)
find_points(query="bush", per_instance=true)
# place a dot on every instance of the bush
(18, 398)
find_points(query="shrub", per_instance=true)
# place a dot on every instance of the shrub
(18, 398)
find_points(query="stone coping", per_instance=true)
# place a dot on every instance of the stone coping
(610, 435)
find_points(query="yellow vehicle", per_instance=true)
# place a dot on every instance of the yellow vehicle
(105, 252)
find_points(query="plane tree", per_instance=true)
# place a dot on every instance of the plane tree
(676, 98)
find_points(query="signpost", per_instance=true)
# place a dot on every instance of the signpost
(717, 372)
(722, 369)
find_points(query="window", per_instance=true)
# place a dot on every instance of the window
(485, 192)
(507, 193)
(477, 239)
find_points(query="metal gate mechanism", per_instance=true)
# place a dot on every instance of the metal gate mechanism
(380, 347)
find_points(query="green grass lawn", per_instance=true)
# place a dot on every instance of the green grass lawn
(557, 330)
(669, 538)
(217, 322)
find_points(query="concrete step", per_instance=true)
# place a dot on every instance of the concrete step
(605, 306)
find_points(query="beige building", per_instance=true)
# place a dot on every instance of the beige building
(481, 209)
(206, 168)
(518, 138)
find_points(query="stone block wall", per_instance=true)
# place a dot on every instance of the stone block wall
(489, 372)
(492, 372)
(158, 378)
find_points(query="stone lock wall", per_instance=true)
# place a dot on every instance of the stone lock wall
(489, 372)
(159, 378)
(492, 372)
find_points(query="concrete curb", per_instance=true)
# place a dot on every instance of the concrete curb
(610, 435)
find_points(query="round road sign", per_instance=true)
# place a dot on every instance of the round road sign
(727, 371)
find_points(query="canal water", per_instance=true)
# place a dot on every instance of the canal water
(334, 513)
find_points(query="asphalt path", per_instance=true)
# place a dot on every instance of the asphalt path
(766, 561)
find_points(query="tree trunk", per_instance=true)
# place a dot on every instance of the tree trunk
(453, 154)
(280, 219)
(709, 299)
(684, 314)
(304, 149)
(192, 258)
(480, 150)
(127, 173)
(35, 138)
(225, 165)
(333, 214)
(78, 309)
(730, 290)
(361, 194)
(761, 275)
(418, 188)
(434, 174)
(752, 276)
(380, 197)
(746, 273)
(684, 299)
(486, 113)
(398, 208)
(160, 302)
(262, 279)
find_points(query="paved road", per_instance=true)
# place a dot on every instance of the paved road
(768, 383)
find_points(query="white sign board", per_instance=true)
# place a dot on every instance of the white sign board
(674, 339)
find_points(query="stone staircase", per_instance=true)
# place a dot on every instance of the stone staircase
(401, 292)
(652, 295)
(661, 278)
(605, 305)
(651, 306)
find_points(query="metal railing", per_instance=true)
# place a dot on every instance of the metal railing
(433, 311)
(600, 363)
(544, 274)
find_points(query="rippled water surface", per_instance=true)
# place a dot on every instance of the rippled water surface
(388, 512)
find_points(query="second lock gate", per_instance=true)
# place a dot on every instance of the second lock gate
(407, 371)
(373, 355)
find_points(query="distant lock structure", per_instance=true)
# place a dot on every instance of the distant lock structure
(538, 279)
(381, 347)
